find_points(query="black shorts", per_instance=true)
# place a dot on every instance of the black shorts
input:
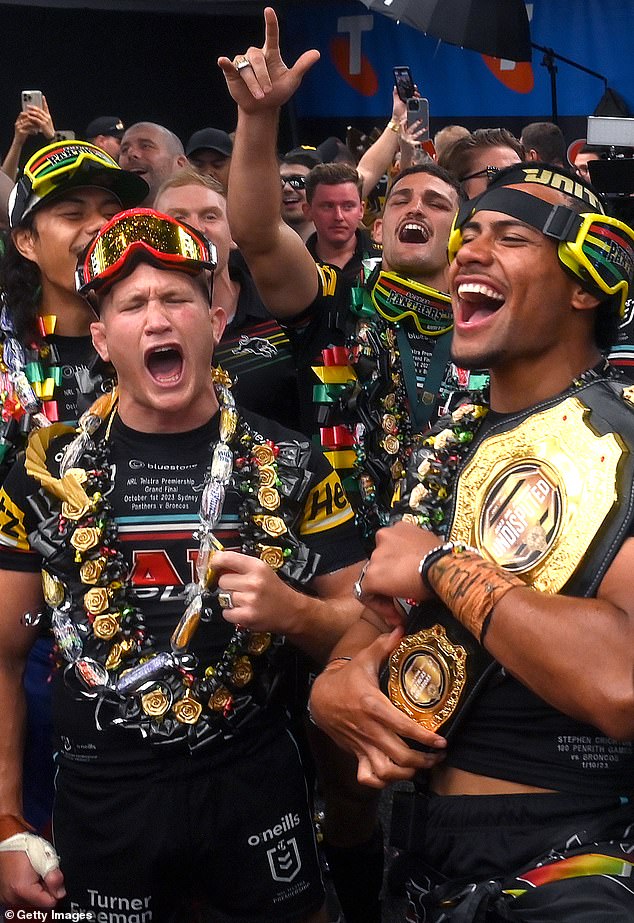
(489, 840)
(229, 833)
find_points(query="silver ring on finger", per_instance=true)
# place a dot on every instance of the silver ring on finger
(225, 600)
(241, 62)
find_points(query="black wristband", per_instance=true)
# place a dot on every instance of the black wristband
(440, 551)
(430, 558)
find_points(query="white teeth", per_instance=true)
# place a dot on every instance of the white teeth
(413, 227)
(476, 288)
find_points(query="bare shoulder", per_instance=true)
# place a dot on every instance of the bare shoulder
(615, 587)
(21, 593)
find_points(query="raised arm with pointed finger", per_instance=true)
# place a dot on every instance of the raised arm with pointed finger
(269, 246)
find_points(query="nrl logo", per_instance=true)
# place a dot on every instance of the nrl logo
(284, 860)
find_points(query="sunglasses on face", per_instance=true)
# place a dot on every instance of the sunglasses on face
(295, 182)
(489, 171)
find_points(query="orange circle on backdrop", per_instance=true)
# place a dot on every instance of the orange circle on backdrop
(519, 78)
(366, 82)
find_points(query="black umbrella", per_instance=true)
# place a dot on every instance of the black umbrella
(495, 27)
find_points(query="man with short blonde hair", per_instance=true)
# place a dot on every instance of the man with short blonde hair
(253, 349)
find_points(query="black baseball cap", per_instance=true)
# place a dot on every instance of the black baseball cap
(305, 154)
(210, 139)
(105, 125)
(64, 165)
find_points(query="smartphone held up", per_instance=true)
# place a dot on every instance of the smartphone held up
(418, 111)
(403, 82)
(31, 98)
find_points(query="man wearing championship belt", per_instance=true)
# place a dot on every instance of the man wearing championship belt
(166, 542)
(511, 681)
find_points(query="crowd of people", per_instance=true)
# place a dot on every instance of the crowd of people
(316, 476)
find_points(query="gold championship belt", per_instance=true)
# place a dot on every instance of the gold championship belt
(532, 500)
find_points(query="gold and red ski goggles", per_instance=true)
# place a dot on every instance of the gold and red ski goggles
(142, 235)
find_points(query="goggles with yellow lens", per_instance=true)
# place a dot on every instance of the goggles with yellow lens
(597, 249)
(64, 165)
(602, 251)
(50, 166)
(395, 300)
(142, 235)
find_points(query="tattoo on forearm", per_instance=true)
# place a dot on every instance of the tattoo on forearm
(470, 587)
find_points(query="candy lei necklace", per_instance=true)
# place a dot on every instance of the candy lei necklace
(382, 439)
(434, 465)
(28, 378)
(386, 438)
(101, 633)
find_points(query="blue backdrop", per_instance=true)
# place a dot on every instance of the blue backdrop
(358, 49)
